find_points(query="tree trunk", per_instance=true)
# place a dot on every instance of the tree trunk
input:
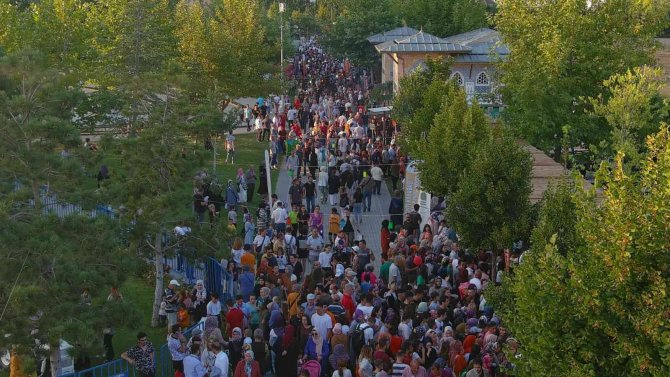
(158, 291)
(54, 359)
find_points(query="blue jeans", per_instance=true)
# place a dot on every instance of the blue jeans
(367, 200)
(310, 203)
(358, 210)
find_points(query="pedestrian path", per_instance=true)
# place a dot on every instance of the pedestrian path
(369, 228)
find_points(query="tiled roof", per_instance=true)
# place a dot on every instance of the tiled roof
(421, 42)
(404, 31)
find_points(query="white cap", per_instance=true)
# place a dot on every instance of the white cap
(174, 282)
(294, 278)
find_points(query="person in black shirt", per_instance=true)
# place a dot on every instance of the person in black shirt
(309, 189)
(199, 206)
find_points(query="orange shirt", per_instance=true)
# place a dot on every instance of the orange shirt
(249, 259)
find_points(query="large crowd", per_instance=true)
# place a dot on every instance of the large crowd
(304, 292)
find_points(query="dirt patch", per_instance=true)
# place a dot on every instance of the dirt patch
(663, 59)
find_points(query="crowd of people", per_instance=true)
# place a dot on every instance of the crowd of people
(303, 292)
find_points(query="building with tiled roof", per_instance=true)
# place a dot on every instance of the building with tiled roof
(474, 53)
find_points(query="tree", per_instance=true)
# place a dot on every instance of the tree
(633, 107)
(557, 217)
(223, 45)
(563, 51)
(345, 36)
(50, 261)
(491, 208)
(420, 96)
(605, 296)
(443, 17)
(458, 131)
(149, 186)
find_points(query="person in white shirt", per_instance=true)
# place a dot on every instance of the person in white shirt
(279, 217)
(261, 241)
(476, 280)
(192, 364)
(220, 362)
(342, 143)
(322, 321)
(324, 258)
(377, 175)
(405, 328)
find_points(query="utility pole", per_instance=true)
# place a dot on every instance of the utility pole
(282, 8)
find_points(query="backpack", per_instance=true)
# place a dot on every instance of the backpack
(358, 337)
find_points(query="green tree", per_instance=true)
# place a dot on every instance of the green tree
(346, 34)
(491, 208)
(442, 17)
(631, 108)
(48, 261)
(563, 51)
(448, 150)
(419, 97)
(601, 306)
(557, 217)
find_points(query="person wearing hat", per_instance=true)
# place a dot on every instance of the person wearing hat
(171, 300)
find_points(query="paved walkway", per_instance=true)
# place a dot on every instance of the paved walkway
(370, 227)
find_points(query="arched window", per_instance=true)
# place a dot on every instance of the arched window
(482, 79)
(456, 76)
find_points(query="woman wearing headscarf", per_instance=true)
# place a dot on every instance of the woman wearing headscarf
(247, 367)
(339, 354)
(317, 348)
(213, 332)
(241, 185)
(289, 353)
(235, 346)
(276, 324)
(339, 337)
(199, 298)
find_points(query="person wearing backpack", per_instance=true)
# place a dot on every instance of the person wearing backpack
(362, 334)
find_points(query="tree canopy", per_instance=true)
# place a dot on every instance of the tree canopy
(561, 52)
(600, 304)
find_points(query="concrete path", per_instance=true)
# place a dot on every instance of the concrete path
(370, 227)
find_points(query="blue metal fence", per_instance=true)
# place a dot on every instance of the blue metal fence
(190, 270)
(121, 368)
(214, 277)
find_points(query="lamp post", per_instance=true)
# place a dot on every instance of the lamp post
(282, 8)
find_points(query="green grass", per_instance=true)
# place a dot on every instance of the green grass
(141, 295)
(140, 292)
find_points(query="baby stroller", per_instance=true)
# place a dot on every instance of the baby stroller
(312, 367)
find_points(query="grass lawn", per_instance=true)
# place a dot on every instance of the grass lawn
(140, 292)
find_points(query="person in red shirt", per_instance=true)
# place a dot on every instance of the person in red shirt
(348, 301)
(234, 317)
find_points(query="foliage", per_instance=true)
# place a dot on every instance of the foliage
(490, 208)
(442, 17)
(458, 130)
(53, 260)
(601, 306)
(632, 108)
(418, 99)
(357, 20)
(35, 104)
(563, 51)
(557, 217)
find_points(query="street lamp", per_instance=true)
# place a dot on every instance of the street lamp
(282, 9)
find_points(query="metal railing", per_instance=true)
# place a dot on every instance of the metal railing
(121, 368)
